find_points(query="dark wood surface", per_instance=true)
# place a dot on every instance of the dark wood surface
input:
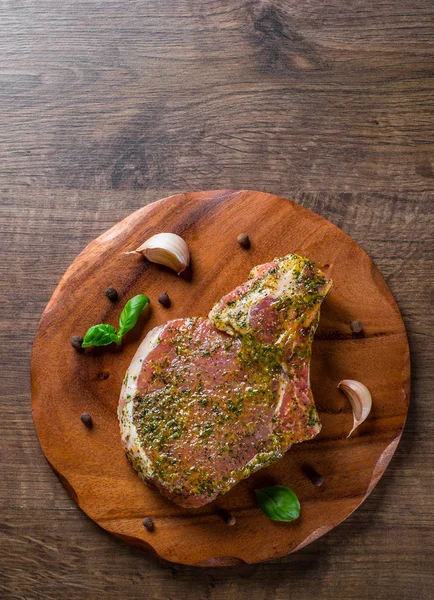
(105, 106)
(92, 465)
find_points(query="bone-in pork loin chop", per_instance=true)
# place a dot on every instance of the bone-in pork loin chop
(206, 402)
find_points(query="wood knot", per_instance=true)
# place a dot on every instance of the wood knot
(269, 23)
(283, 48)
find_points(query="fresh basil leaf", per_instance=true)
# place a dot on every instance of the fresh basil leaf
(116, 338)
(131, 313)
(103, 335)
(98, 335)
(278, 502)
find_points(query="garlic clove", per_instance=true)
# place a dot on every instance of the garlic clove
(166, 249)
(360, 400)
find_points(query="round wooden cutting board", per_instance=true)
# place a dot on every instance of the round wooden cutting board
(65, 383)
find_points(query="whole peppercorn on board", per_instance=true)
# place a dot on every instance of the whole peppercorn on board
(67, 383)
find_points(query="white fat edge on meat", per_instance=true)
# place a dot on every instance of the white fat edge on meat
(130, 437)
(283, 385)
(271, 285)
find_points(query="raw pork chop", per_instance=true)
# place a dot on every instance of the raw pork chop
(206, 402)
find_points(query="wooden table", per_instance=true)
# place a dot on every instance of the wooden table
(106, 106)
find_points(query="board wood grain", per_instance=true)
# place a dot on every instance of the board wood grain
(91, 463)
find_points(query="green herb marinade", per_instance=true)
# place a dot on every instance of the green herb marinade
(184, 407)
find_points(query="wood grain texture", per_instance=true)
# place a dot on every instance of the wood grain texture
(65, 383)
(106, 107)
(191, 95)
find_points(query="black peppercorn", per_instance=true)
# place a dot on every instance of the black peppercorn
(148, 524)
(87, 420)
(76, 341)
(356, 326)
(227, 517)
(112, 294)
(244, 240)
(164, 299)
(315, 477)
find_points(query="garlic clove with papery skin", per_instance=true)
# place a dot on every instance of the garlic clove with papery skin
(166, 249)
(360, 400)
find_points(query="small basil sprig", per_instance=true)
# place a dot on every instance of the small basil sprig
(278, 502)
(99, 335)
(103, 335)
